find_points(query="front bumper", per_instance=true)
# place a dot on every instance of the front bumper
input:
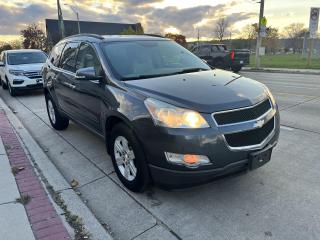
(29, 87)
(209, 142)
(22, 83)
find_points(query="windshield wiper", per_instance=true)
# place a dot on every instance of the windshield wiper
(145, 76)
(190, 70)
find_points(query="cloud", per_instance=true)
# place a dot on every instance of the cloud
(15, 15)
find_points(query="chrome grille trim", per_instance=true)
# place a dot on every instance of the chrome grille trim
(247, 126)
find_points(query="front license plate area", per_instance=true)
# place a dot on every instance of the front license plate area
(258, 159)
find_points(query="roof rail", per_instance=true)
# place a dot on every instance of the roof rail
(152, 35)
(86, 35)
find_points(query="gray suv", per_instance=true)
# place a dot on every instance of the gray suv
(165, 115)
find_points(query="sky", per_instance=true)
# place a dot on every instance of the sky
(156, 16)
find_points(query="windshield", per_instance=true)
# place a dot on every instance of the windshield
(148, 58)
(26, 58)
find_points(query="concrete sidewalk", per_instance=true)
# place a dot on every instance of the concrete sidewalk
(282, 70)
(26, 211)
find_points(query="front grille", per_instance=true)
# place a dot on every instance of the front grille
(33, 74)
(251, 137)
(242, 115)
(34, 86)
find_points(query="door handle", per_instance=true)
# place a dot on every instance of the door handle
(70, 85)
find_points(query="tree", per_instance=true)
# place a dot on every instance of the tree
(16, 44)
(221, 28)
(294, 32)
(34, 37)
(271, 40)
(131, 31)
(5, 46)
(250, 33)
(177, 38)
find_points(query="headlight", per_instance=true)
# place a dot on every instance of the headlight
(16, 72)
(167, 115)
(271, 97)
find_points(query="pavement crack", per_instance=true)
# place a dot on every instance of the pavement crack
(88, 183)
(5, 203)
(143, 232)
(298, 104)
(301, 129)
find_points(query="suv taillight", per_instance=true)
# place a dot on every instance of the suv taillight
(232, 55)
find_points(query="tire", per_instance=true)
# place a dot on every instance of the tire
(57, 120)
(236, 69)
(12, 90)
(4, 85)
(128, 155)
(220, 65)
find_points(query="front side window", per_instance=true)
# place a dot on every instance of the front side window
(205, 50)
(142, 59)
(87, 57)
(68, 58)
(56, 54)
(19, 58)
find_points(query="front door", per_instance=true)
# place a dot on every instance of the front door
(88, 93)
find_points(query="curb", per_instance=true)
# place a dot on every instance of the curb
(56, 180)
(290, 71)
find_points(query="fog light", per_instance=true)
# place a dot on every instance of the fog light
(188, 160)
(17, 81)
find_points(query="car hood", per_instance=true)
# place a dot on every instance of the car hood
(206, 91)
(36, 67)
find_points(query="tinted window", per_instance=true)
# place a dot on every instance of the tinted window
(26, 58)
(87, 58)
(68, 58)
(56, 53)
(136, 59)
(205, 50)
(215, 48)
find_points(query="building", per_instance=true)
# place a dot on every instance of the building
(71, 28)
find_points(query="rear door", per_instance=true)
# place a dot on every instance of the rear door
(205, 53)
(65, 79)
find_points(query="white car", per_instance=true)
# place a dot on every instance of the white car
(20, 70)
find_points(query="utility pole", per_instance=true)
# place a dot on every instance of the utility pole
(259, 38)
(60, 20)
(198, 37)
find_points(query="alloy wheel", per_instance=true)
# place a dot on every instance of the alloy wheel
(124, 157)
(51, 112)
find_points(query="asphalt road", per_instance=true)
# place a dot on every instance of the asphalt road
(278, 201)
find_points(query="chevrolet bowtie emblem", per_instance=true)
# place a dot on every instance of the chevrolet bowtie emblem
(258, 124)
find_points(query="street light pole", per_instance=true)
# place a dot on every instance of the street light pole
(259, 38)
(79, 30)
(77, 14)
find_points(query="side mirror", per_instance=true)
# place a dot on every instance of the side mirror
(2, 64)
(87, 73)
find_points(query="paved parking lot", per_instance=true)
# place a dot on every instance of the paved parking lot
(279, 201)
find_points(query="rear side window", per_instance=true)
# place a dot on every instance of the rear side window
(69, 56)
(56, 53)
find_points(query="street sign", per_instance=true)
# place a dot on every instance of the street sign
(263, 27)
(314, 21)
